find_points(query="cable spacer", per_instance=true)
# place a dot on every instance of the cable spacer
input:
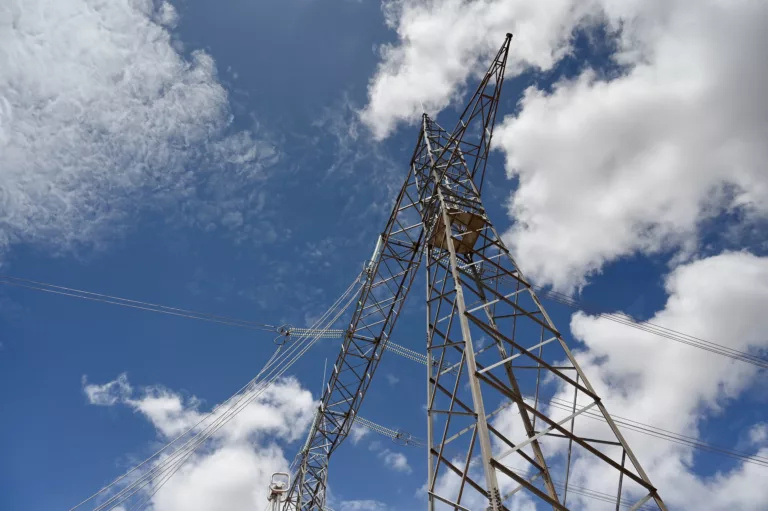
(283, 335)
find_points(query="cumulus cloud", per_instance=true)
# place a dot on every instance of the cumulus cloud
(100, 116)
(357, 433)
(607, 166)
(397, 461)
(675, 387)
(363, 505)
(758, 435)
(233, 470)
(442, 43)
(635, 164)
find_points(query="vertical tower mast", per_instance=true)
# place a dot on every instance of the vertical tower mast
(505, 395)
(497, 366)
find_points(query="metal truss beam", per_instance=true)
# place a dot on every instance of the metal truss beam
(388, 279)
(482, 315)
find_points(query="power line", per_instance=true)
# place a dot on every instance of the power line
(417, 357)
(664, 434)
(400, 437)
(655, 329)
(134, 304)
(579, 490)
(302, 348)
(273, 376)
(646, 326)
(661, 331)
(275, 367)
(630, 424)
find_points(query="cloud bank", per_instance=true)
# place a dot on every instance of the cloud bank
(235, 467)
(607, 166)
(636, 164)
(101, 116)
(677, 388)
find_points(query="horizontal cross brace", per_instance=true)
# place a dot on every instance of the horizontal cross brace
(497, 300)
(542, 433)
(509, 359)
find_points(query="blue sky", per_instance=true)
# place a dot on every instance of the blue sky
(239, 158)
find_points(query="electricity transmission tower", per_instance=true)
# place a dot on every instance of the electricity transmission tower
(505, 394)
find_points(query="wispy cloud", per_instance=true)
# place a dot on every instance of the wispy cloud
(391, 459)
(758, 434)
(397, 461)
(363, 505)
(101, 117)
(109, 393)
(356, 152)
(357, 433)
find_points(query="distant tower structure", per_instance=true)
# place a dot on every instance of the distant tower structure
(511, 415)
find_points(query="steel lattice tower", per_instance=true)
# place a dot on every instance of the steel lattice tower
(506, 399)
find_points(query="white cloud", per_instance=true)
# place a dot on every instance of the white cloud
(167, 15)
(676, 387)
(392, 379)
(397, 461)
(634, 164)
(357, 433)
(109, 393)
(276, 411)
(669, 385)
(235, 468)
(341, 131)
(605, 168)
(340, 122)
(100, 116)
(363, 505)
(609, 167)
(440, 44)
(234, 476)
(758, 435)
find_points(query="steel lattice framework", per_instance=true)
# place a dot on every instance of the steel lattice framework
(388, 279)
(495, 361)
